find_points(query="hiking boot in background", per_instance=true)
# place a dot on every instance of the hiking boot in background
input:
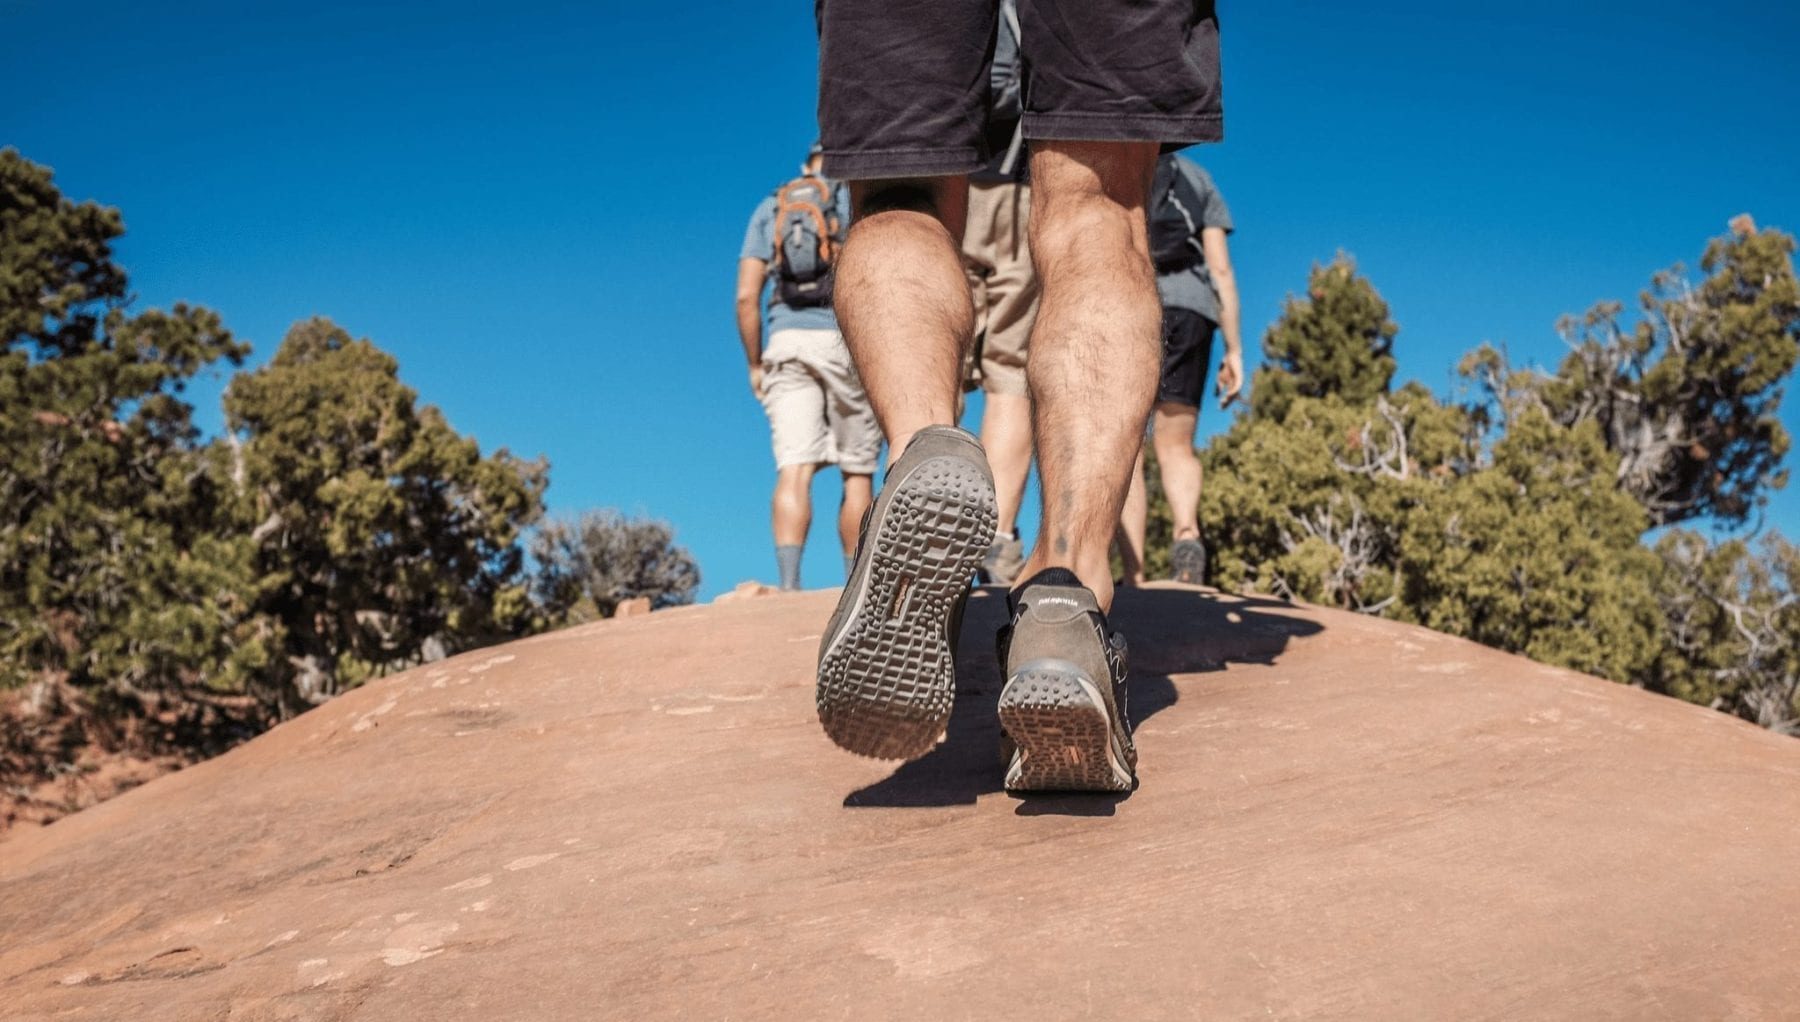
(887, 661)
(1005, 557)
(1187, 561)
(1063, 708)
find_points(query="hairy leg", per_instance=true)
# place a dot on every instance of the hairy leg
(903, 302)
(858, 494)
(1006, 433)
(1095, 346)
(793, 504)
(1172, 431)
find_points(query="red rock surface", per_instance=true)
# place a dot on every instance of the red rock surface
(1338, 817)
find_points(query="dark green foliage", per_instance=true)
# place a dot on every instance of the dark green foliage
(382, 536)
(1336, 341)
(1518, 521)
(1733, 614)
(587, 567)
(1313, 505)
(1688, 397)
(111, 575)
(1538, 554)
(338, 530)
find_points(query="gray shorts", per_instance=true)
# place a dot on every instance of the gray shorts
(903, 87)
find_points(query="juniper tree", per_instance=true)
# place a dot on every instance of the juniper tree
(1688, 396)
(1733, 624)
(382, 536)
(587, 567)
(113, 574)
(1336, 341)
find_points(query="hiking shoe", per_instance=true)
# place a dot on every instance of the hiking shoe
(1003, 561)
(887, 661)
(1187, 561)
(1063, 707)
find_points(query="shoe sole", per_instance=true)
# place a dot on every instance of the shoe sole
(1061, 732)
(887, 681)
(1188, 569)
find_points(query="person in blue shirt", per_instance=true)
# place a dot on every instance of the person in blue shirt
(799, 368)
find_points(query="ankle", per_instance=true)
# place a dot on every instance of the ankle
(1095, 574)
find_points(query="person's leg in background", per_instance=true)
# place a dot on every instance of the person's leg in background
(795, 401)
(1187, 352)
(1094, 358)
(1172, 426)
(793, 517)
(1186, 348)
(1134, 521)
(998, 226)
(855, 440)
(1172, 434)
(859, 493)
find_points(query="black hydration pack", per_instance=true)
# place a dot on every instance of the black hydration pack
(1174, 219)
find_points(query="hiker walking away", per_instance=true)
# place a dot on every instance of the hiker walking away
(818, 412)
(1188, 225)
(902, 111)
(997, 258)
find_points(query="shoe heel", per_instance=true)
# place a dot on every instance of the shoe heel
(1061, 731)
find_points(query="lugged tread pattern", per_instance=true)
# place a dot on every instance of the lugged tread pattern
(1187, 562)
(1060, 736)
(887, 681)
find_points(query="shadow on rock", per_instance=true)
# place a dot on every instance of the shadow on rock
(1170, 631)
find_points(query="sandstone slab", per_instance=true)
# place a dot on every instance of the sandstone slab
(1338, 818)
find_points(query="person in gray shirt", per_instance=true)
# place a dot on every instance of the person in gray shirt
(1188, 225)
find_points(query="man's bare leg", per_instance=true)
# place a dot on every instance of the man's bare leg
(1172, 431)
(1134, 521)
(903, 302)
(1094, 349)
(791, 512)
(1006, 433)
(887, 666)
(858, 493)
(793, 504)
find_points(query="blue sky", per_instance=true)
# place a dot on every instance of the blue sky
(537, 207)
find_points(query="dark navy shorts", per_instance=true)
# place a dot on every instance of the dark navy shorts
(903, 84)
(1187, 352)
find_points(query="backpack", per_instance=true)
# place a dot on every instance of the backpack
(806, 241)
(1174, 219)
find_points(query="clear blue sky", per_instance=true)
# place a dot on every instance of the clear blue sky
(537, 207)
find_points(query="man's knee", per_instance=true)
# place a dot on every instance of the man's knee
(794, 477)
(1173, 436)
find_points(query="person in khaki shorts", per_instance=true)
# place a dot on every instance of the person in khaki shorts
(818, 412)
(997, 258)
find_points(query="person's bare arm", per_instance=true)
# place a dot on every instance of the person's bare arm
(751, 273)
(1218, 264)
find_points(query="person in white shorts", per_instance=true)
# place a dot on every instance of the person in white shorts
(818, 412)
